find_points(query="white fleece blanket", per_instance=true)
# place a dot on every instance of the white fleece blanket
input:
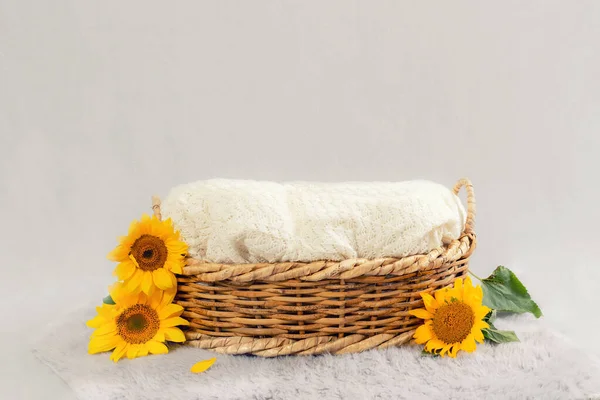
(238, 221)
(544, 365)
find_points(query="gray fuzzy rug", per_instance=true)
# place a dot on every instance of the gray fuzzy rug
(543, 365)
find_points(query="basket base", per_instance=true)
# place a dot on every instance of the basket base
(273, 347)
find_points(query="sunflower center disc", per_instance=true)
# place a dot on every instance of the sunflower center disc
(453, 322)
(138, 324)
(147, 254)
(150, 252)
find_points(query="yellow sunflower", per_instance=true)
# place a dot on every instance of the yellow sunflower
(453, 319)
(137, 324)
(149, 255)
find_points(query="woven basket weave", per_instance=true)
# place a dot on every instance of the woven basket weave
(306, 308)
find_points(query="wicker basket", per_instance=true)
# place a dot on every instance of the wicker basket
(297, 308)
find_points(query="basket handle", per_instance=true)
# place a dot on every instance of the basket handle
(471, 206)
(156, 207)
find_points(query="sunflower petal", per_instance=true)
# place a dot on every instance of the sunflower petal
(167, 296)
(106, 329)
(468, 283)
(160, 336)
(176, 246)
(473, 297)
(174, 266)
(478, 293)
(119, 253)
(133, 229)
(102, 344)
(147, 282)
(481, 312)
(458, 283)
(174, 335)
(124, 269)
(459, 289)
(118, 291)
(421, 313)
(481, 325)
(440, 295)
(143, 351)
(156, 347)
(119, 352)
(430, 303)
(146, 221)
(170, 310)
(133, 285)
(468, 288)
(452, 353)
(478, 335)
(130, 298)
(162, 278)
(423, 334)
(105, 311)
(170, 322)
(434, 344)
(96, 322)
(445, 350)
(155, 298)
(132, 351)
(469, 344)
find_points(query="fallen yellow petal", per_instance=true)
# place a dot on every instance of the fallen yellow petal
(203, 365)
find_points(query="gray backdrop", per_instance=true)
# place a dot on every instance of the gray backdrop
(104, 103)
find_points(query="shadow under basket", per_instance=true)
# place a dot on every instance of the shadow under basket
(308, 308)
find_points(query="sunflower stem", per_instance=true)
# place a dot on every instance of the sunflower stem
(475, 275)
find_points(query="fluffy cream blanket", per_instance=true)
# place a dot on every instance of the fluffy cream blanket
(238, 221)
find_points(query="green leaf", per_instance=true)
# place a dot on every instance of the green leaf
(490, 317)
(496, 336)
(503, 291)
(108, 300)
